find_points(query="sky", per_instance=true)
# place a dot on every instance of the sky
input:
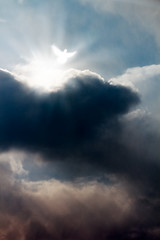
(79, 120)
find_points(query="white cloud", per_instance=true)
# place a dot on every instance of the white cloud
(15, 161)
(146, 80)
(135, 75)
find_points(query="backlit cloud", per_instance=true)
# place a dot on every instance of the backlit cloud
(79, 136)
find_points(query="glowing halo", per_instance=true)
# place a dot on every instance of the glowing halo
(46, 73)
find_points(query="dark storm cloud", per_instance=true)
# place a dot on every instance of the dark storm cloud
(82, 126)
(80, 129)
(62, 119)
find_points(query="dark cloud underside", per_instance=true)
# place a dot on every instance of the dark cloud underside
(80, 125)
(62, 119)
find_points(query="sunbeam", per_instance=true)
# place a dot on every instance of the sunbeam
(44, 72)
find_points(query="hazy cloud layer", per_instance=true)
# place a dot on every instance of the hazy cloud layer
(64, 210)
(145, 13)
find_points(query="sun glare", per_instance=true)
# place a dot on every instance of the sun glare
(45, 72)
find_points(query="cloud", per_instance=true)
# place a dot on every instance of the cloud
(81, 128)
(65, 210)
(146, 80)
(2, 20)
(137, 74)
(15, 161)
(59, 120)
(78, 210)
(88, 132)
(20, 1)
(99, 139)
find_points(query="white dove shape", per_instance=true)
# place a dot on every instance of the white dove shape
(62, 56)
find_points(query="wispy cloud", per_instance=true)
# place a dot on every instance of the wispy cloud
(2, 20)
(20, 1)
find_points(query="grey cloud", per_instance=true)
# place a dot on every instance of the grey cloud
(64, 210)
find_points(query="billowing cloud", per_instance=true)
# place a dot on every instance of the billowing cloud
(87, 131)
(81, 127)
(59, 120)
(146, 80)
(64, 210)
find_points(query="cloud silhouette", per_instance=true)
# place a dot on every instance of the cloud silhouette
(59, 120)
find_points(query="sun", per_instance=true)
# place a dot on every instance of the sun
(45, 72)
